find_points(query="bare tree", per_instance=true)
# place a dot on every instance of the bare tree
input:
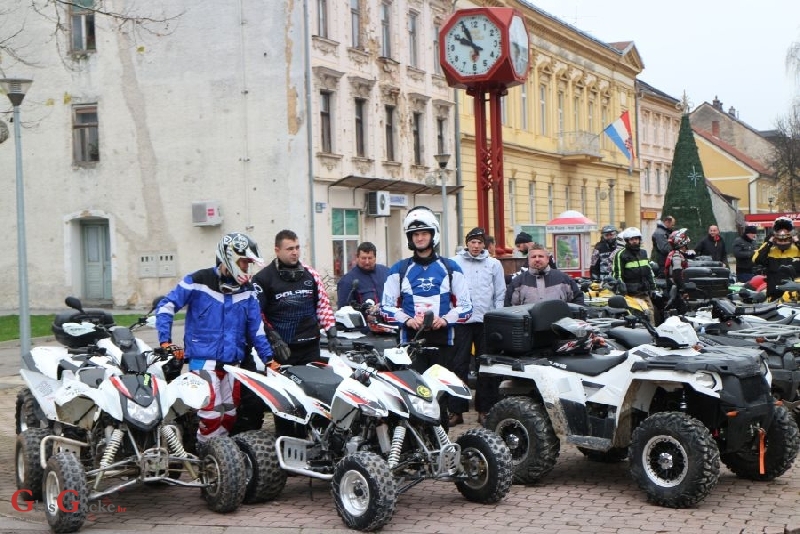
(793, 59)
(786, 157)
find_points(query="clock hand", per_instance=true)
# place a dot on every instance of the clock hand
(469, 43)
(466, 31)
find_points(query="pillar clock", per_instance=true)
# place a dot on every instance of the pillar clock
(485, 50)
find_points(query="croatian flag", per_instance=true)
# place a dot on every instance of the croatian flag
(620, 132)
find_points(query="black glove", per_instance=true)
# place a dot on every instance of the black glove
(280, 350)
(622, 289)
(334, 345)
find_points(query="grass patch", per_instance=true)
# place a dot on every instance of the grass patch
(40, 324)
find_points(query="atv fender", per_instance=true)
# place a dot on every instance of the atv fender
(442, 380)
(187, 392)
(43, 389)
(283, 397)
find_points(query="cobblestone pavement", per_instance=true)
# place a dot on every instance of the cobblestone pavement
(578, 496)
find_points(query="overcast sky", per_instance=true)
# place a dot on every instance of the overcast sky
(732, 49)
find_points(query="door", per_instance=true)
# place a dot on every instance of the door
(96, 252)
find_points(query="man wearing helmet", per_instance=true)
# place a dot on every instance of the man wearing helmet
(295, 304)
(601, 255)
(427, 281)
(660, 239)
(222, 319)
(782, 248)
(632, 268)
(677, 261)
(487, 290)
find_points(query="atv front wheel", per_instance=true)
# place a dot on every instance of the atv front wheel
(674, 459)
(65, 493)
(28, 460)
(523, 424)
(781, 442)
(364, 491)
(486, 461)
(266, 478)
(26, 411)
(224, 471)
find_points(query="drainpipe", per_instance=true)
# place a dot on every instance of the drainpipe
(309, 130)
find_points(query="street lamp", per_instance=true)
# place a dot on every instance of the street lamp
(442, 160)
(771, 201)
(15, 89)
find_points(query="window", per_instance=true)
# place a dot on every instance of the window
(604, 121)
(583, 199)
(597, 204)
(322, 18)
(647, 178)
(532, 200)
(511, 204)
(590, 117)
(658, 181)
(437, 67)
(566, 198)
(412, 40)
(441, 132)
(416, 132)
(82, 26)
(386, 34)
(543, 109)
(503, 110)
(523, 105)
(549, 202)
(645, 127)
(345, 234)
(576, 112)
(389, 133)
(361, 149)
(325, 122)
(85, 139)
(561, 112)
(355, 23)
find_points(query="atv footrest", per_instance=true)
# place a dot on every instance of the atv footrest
(449, 459)
(293, 457)
(590, 442)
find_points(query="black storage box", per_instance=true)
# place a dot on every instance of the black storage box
(708, 288)
(508, 330)
(98, 317)
(706, 272)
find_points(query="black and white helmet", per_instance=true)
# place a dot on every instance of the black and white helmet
(421, 218)
(574, 337)
(234, 247)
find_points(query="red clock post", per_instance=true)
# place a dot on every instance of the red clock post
(485, 50)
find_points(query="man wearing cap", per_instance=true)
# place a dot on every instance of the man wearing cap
(600, 264)
(743, 249)
(522, 243)
(487, 287)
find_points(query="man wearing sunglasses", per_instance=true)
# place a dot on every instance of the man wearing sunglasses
(782, 248)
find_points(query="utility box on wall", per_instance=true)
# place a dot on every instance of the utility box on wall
(378, 204)
(206, 213)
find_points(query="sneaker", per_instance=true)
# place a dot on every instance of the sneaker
(481, 417)
(456, 419)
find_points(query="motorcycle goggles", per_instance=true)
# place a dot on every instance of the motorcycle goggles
(293, 274)
(783, 237)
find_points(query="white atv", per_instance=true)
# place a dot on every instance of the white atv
(670, 409)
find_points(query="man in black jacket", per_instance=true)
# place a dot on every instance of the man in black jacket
(743, 249)
(661, 245)
(600, 264)
(713, 246)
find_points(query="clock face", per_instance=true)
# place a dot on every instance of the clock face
(518, 36)
(474, 44)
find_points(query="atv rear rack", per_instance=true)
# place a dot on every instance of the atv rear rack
(767, 331)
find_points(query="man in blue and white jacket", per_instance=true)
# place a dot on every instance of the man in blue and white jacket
(426, 281)
(487, 289)
(223, 318)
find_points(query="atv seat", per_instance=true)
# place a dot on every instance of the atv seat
(317, 383)
(630, 337)
(761, 310)
(589, 364)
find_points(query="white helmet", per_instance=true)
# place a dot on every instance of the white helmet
(234, 247)
(421, 218)
(630, 232)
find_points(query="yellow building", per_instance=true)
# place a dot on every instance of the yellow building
(556, 156)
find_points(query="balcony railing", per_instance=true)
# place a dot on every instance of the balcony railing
(579, 143)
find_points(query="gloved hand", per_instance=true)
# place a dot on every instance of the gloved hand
(274, 365)
(334, 345)
(174, 350)
(622, 289)
(280, 350)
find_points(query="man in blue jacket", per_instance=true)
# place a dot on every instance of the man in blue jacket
(365, 280)
(223, 318)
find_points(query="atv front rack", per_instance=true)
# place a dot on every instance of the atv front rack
(767, 332)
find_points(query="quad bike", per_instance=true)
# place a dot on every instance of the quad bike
(109, 427)
(673, 411)
(375, 434)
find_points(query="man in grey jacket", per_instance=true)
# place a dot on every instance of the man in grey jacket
(487, 288)
(661, 247)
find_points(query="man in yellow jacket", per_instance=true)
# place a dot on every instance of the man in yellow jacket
(782, 248)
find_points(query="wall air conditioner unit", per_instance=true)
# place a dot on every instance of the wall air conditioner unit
(206, 213)
(378, 204)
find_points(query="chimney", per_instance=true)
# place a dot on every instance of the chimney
(732, 112)
(717, 104)
(715, 129)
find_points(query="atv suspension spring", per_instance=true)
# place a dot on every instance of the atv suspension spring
(111, 448)
(441, 435)
(169, 435)
(397, 446)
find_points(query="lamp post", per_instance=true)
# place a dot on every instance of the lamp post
(16, 88)
(442, 160)
(611, 183)
(771, 201)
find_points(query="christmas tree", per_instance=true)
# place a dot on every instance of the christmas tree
(687, 197)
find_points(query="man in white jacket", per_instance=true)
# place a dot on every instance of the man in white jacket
(487, 287)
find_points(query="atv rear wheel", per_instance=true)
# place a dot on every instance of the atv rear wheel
(613, 455)
(486, 461)
(224, 471)
(28, 462)
(781, 442)
(65, 512)
(364, 491)
(674, 459)
(524, 426)
(266, 478)
(26, 412)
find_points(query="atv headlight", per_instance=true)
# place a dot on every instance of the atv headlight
(423, 407)
(143, 414)
(707, 380)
